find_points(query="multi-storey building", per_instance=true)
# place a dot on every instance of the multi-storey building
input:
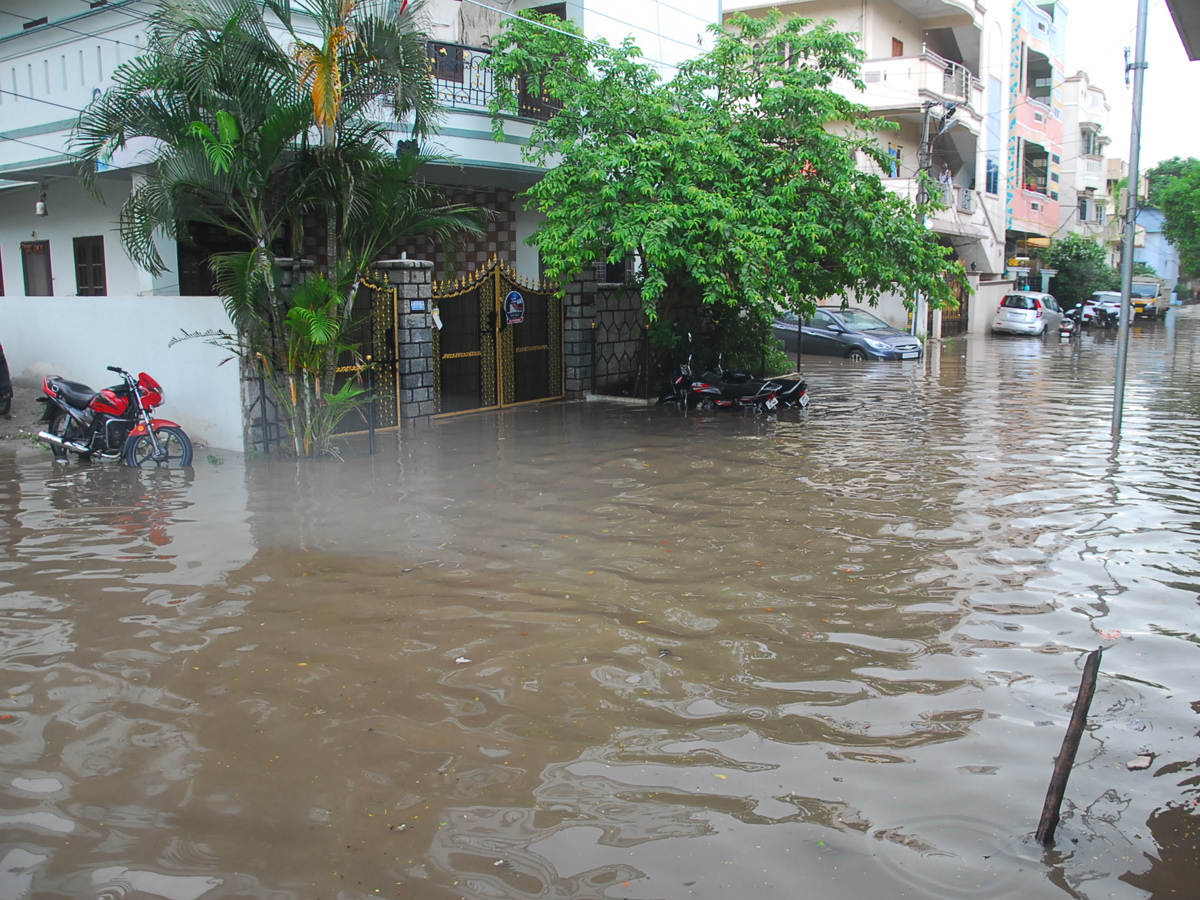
(56, 55)
(1035, 117)
(937, 70)
(59, 243)
(1084, 201)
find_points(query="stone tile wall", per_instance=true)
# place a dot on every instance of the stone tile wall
(473, 253)
(413, 279)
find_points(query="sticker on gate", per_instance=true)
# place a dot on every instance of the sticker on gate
(514, 308)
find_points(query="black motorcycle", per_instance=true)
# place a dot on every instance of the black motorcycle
(1107, 318)
(725, 389)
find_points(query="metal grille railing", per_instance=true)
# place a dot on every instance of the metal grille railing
(463, 80)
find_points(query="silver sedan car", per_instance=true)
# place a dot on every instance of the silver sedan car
(1027, 312)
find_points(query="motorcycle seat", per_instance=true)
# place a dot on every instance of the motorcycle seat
(75, 393)
(740, 390)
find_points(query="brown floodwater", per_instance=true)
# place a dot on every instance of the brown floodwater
(594, 650)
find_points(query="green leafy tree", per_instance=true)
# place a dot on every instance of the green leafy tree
(1161, 175)
(1179, 200)
(1082, 270)
(736, 181)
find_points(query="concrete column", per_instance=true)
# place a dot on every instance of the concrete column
(579, 307)
(413, 280)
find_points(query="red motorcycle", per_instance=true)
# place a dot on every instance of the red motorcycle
(114, 423)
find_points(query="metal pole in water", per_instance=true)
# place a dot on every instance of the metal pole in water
(1135, 145)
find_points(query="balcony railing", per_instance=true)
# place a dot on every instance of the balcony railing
(462, 80)
(960, 202)
(928, 72)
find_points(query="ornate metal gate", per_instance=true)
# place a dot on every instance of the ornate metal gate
(956, 321)
(373, 332)
(501, 341)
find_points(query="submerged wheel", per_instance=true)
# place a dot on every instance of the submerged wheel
(176, 447)
(856, 354)
(63, 427)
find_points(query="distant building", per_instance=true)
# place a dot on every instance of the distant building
(1084, 200)
(1156, 251)
(924, 68)
(1035, 116)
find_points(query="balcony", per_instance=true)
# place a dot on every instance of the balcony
(47, 74)
(951, 12)
(961, 203)
(902, 82)
(463, 81)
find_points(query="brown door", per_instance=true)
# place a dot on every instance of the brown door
(35, 260)
(90, 280)
(897, 47)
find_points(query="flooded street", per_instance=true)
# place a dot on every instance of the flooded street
(593, 650)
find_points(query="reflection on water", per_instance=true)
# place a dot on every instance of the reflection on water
(590, 650)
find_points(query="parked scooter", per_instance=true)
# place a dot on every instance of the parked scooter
(1070, 324)
(1106, 317)
(726, 389)
(711, 388)
(113, 423)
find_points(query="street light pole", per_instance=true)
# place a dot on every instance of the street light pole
(1135, 146)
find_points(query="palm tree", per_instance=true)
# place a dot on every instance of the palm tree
(223, 113)
(370, 60)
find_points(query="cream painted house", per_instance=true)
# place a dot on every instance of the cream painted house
(938, 70)
(64, 277)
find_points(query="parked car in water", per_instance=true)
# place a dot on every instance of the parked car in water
(1027, 312)
(5, 385)
(851, 333)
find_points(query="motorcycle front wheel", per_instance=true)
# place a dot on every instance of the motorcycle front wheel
(175, 445)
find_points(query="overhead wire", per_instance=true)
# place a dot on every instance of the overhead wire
(60, 26)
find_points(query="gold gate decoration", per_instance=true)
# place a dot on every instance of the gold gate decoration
(501, 341)
(372, 331)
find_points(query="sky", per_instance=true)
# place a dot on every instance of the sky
(1098, 31)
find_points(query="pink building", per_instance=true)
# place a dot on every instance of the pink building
(1035, 123)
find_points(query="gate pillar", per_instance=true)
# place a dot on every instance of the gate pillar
(413, 281)
(579, 346)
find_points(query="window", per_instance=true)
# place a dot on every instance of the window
(1016, 301)
(821, 320)
(447, 62)
(993, 177)
(1099, 221)
(89, 267)
(897, 47)
(1083, 209)
(894, 151)
(35, 260)
(1087, 143)
(995, 99)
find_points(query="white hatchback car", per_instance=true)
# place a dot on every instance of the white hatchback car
(1027, 312)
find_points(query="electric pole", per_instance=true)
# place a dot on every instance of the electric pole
(1135, 146)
